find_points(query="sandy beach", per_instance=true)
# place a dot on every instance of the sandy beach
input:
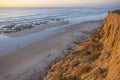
(32, 62)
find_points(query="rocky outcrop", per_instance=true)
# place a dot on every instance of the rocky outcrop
(97, 58)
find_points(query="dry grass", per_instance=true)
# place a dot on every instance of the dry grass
(80, 70)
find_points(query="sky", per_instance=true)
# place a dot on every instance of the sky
(58, 3)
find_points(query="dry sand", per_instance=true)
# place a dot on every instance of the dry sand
(31, 63)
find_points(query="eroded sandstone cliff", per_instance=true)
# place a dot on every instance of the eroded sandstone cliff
(97, 58)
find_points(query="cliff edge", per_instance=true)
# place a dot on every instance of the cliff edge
(97, 58)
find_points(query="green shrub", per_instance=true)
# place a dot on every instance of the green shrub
(62, 78)
(75, 78)
(95, 47)
(77, 52)
(94, 57)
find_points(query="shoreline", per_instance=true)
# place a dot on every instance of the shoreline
(36, 29)
(43, 27)
(36, 58)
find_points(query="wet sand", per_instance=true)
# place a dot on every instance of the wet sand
(32, 62)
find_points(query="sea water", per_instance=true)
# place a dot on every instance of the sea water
(37, 15)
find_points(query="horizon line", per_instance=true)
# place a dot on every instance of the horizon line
(53, 6)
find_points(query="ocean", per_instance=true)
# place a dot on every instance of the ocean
(50, 15)
(23, 16)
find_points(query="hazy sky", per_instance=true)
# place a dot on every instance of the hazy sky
(57, 3)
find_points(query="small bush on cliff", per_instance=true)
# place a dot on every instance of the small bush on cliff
(62, 78)
(75, 78)
(93, 57)
(77, 52)
(95, 46)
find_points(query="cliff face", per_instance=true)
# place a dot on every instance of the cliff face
(111, 41)
(97, 58)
